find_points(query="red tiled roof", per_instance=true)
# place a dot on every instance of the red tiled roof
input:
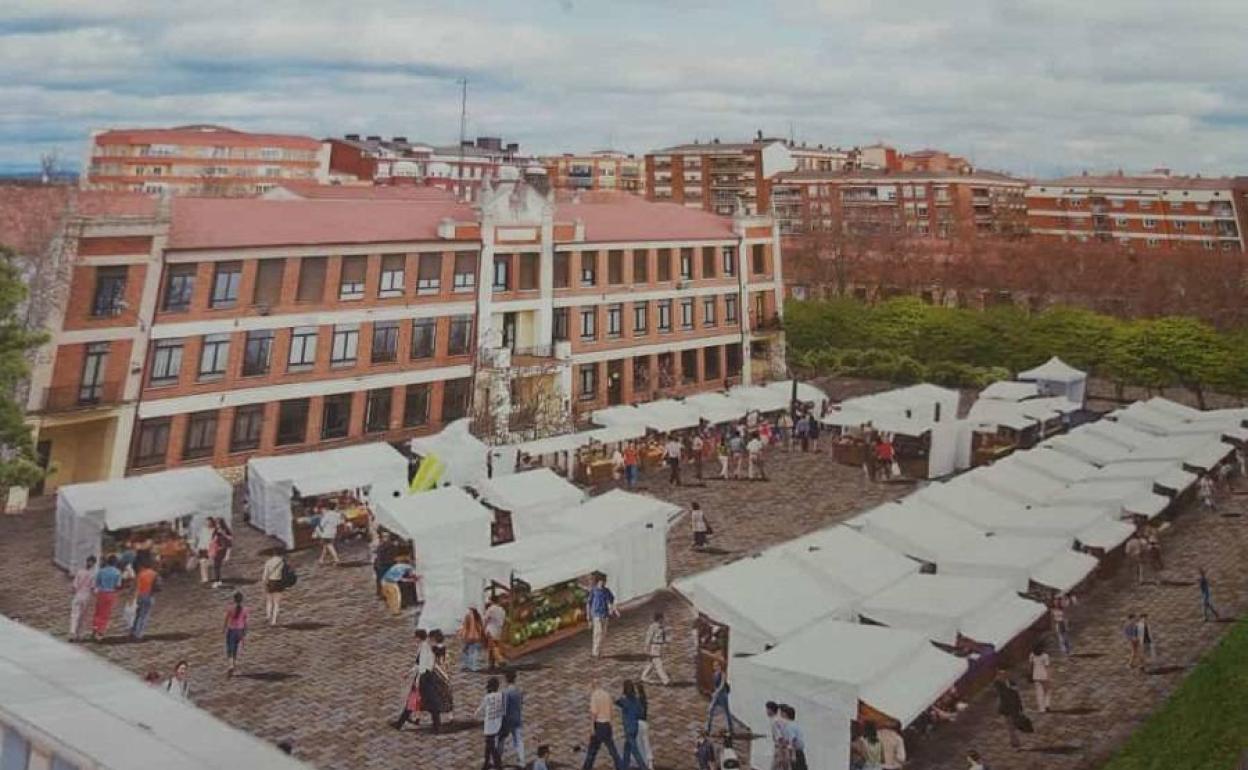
(223, 223)
(633, 219)
(408, 192)
(210, 135)
(101, 203)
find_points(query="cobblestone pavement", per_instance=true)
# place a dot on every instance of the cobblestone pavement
(332, 675)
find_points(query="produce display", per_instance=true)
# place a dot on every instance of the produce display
(541, 613)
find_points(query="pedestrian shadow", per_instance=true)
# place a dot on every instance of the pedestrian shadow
(1231, 515)
(458, 726)
(267, 676)
(630, 657)
(1159, 670)
(716, 552)
(1060, 750)
(1075, 711)
(305, 625)
(237, 581)
(355, 563)
(1226, 620)
(1087, 655)
(1176, 583)
(521, 667)
(113, 641)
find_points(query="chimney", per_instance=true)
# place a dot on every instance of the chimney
(757, 137)
(400, 139)
(352, 137)
(467, 143)
(715, 140)
(374, 138)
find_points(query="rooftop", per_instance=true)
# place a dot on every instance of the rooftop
(311, 190)
(1158, 181)
(877, 175)
(627, 218)
(204, 134)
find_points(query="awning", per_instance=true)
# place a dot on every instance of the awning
(1064, 571)
(1106, 534)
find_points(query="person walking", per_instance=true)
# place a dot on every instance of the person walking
(436, 696)
(235, 629)
(754, 450)
(671, 455)
(392, 585)
(719, 699)
(1206, 598)
(1009, 706)
(491, 713)
(656, 641)
(813, 430)
(1061, 625)
(870, 748)
(276, 576)
(1148, 643)
(630, 715)
(721, 451)
(1131, 631)
(1041, 677)
(784, 424)
(600, 728)
(701, 527)
(413, 703)
(894, 749)
(740, 457)
(203, 545)
(146, 582)
(1204, 490)
(704, 751)
(781, 752)
(327, 533)
(599, 607)
(513, 717)
(793, 737)
(472, 637)
(643, 726)
(219, 549)
(1134, 550)
(82, 586)
(178, 686)
(631, 466)
(802, 430)
(494, 620)
(107, 581)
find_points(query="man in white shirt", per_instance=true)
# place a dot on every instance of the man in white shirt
(83, 588)
(671, 455)
(656, 640)
(494, 618)
(327, 533)
(754, 448)
(697, 448)
(491, 713)
(203, 541)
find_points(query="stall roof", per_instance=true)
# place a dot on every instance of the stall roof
(1120, 498)
(849, 559)
(1017, 559)
(1000, 622)
(936, 606)
(567, 442)
(331, 470)
(609, 512)
(1208, 456)
(759, 397)
(136, 501)
(1082, 445)
(1106, 534)
(987, 411)
(1117, 432)
(462, 454)
(1162, 472)
(1056, 465)
(1202, 451)
(990, 512)
(806, 392)
(916, 529)
(413, 515)
(1065, 570)
(716, 408)
(886, 422)
(667, 415)
(1044, 406)
(542, 560)
(624, 414)
(617, 433)
(1007, 390)
(524, 490)
(1013, 481)
(1053, 370)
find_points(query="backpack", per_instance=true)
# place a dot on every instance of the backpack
(289, 576)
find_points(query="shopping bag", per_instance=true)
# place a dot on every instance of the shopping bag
(128, 613)
(414, 702)
(894, 470)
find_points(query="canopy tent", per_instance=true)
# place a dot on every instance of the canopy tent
(1049, 462)
(942, 607)
(443, 525)
(1202, 452)
(1163, 473)
(716, 408)
(1049, 562)
(991, 414)
(183, 496)
(806, 393)
(1174, 408)
(1055, 377)
(924, 403)
(531, 497)
(1015, 482)
(1082, 445)
(635, 526)
(541, 561)
(666, 415)
(849, 559)
(377, 469)
(566, 442)
(1118, 433)
(994, 514)
(759, 397)
(1065, 571)
(1106, 534)
(743, 595)
(91, 713)
(458, 457)
(825, 671)
(1119, 498)
(624, 414)
(1051, 404)
(916, 529)
(1007, 390)
(616, 434)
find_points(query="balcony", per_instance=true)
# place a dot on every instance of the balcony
(73, 398)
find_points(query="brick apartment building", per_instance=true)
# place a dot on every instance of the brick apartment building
(883, 157)
(461, 170)
(208, 330)
(1151, 211)
(200, 159)
(600, 170)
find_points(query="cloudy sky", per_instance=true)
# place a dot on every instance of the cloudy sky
(1034, 87)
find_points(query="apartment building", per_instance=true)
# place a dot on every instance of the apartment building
(209, 330)
(200, 160)
(719, 177)
(1150, 211)
(600, 170)
(941, 204)
(460, 169)
(883, 157)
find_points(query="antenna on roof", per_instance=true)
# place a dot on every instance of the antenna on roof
(463, 129)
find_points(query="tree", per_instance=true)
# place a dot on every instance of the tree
(19, 464)
(1186, 352)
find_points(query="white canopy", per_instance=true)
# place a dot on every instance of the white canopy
(994, 514)
(624, 414)
(617, 433)
(1174, 408)
(849, 559)
(1054, 464)
(184, 496)
(1006, 390)
(95, 714)
(806, 393)
(1119, 498)
(825, 671)
(1064, 571)
(462, 455)
(1084, 446)
(1118, 433)
(759, 397)
(988, 412)
(1015, 482)
(541, 560)
(565, 442)
(942, 606)
(1019, 560)
(666, 415)
(532, 497)
(378, 469)
(916, 529)
(716, 408)
(1106, 534)
(1057, 378)
(1163, 473)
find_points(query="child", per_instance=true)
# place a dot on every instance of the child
(543, 753)
(705, 752)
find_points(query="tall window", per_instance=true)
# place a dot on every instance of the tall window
(502, 272)
(641, 266)
(311, 279)
(758, 259)
(152, 445)
(110, 291)
(588, 376)
(708, 311)
(377, 410)
(561, 323)
(336, 416)
(429, 274)
(385, 342)
(708, 261)
(455, 397)
(292, 421)
(641, 374)
(268, 290)
(465, 272)
(615, 320)
(257, 353)
(416, 405)
(392, 267)
(245, 432)
(201, 435)
(730, 308)
(689, 366)
(730, 260)
(732, 357)
(179, 288)
(589, 323)
(589, 268)
(563, 270)
(302, 348)
(528, 277)
(226, 279)
(91, 388)
(460, 338)
(615, 267)
(214, 356)
(424, 337)
(686, 313)
(641, 317)
(665, 315)
(345, 346)
(710, 363)
(665, 265)
(166, 362)
(351, 282)
(686, 264)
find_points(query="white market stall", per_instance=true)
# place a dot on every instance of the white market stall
(922, 448)
(1014, 482)
(716, 408)
(1123, 498)
(440, 526)
(668, 416)
(168, 507)
(1163, 473)
(453, 456)
(1119, 433)
(1009, 390)
(992, 513)
(526, 501)
(759, 398)
(806, 393)
(849, 559)
(1055, 377)
(1083, 445)
(1056, 465)
(278, 487)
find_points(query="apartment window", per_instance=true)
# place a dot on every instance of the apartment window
(615, 320)
(424, 337)
(665, 265)
(710, 363)
(460, 338)
(589, 323)
(292, 421)
(1180, 225)
(311, 286)
(641, 317)
(179, 288)
(708, 261)
(377, 410)
(563, 270)
(686, 264)
(588, 377)
(110, 291)
(589, 268)
(245, 432)
(641, 373)
(1146, 205)
(416, 405)
(152, 445)
(730, 308)
(392, 267)
(665, 315)
(166, 362)
(560, 318)
(268, 291)
(225, 282)
(1208, 244)
(201, 435)
(91, 387)
(455, 396)
(345, 346)
(336, 416)
(615, 267)
(689, 366)
(1120, 221)
(465, 277)
(732, 356)
(1154, 242)
(708, 311)
(351, 282)
(502, 272)
(730, 260)
(758, 259)
(257, 353)
(641, 266)
(686, 313)
(1149, 224)
(528, 272)
(214, 357)
(385, 342)
(302, 348)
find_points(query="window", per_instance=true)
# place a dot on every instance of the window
(336, 416)
(179, 288)
(225, 282)
(1180, 225)
(588, 379)
(502, 272)
(730, 308)
(708, 261)
(561, 323)
(214, 357)
(641, 317)
(377, 410)
(529, 272)
(302, 348)
(758, 259)
(292, 421)
(589, 268)
(311, 279)
(641, 374)
(392, 267)
(1120, 221)
(416, 405)
(91, 388)
(665, 265)
(710, 363)
(465, 278)
(689, 366)
(455, 396)
(268, 291)
(730, 261)
(257, 353)
(1208, 244)
(201, 435)
(351, 282)
(641, 266)
(686, 264)
(732, 355)
(345, 346)
(1153, 242)
(153, 443)
(166, 362)
(424, 337)
(385, 342)
(615, 320)
(589, 323)
(460, 342)
(686, 313)
(615, 267)
(110, 291)
(665, 315)
(245, 432)
(708, 311)
(563, 270)
(1149, 224)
